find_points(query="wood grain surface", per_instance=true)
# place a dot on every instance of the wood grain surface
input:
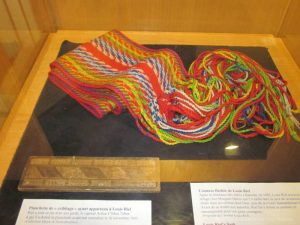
(24, 27)
(290, 30)
(234, 16)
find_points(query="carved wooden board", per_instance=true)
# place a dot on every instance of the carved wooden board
(90, 174)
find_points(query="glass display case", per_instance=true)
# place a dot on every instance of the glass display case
(47, 122)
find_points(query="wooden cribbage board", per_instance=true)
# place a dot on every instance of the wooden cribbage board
(90, 174)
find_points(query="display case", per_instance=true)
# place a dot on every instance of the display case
(46, 123)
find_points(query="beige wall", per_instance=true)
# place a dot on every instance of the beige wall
(290, 30)
(232, 16)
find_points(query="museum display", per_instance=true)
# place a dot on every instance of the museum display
(64, 128)
(149, 112)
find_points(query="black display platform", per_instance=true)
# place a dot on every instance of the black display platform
(60, 126)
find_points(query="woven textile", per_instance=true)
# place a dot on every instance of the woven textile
(222, 89)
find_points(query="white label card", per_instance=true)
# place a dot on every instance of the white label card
(246, 203)
(84, 212)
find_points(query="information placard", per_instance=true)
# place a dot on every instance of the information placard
(246, 203)
(84, 212)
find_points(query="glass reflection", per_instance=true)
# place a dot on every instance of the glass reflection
(231, 150)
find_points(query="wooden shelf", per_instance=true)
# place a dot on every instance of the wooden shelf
(281, 164)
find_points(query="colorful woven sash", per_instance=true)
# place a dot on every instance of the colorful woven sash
(222, 89)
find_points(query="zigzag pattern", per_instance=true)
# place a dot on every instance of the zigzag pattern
(91, 174)
(222, 89)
